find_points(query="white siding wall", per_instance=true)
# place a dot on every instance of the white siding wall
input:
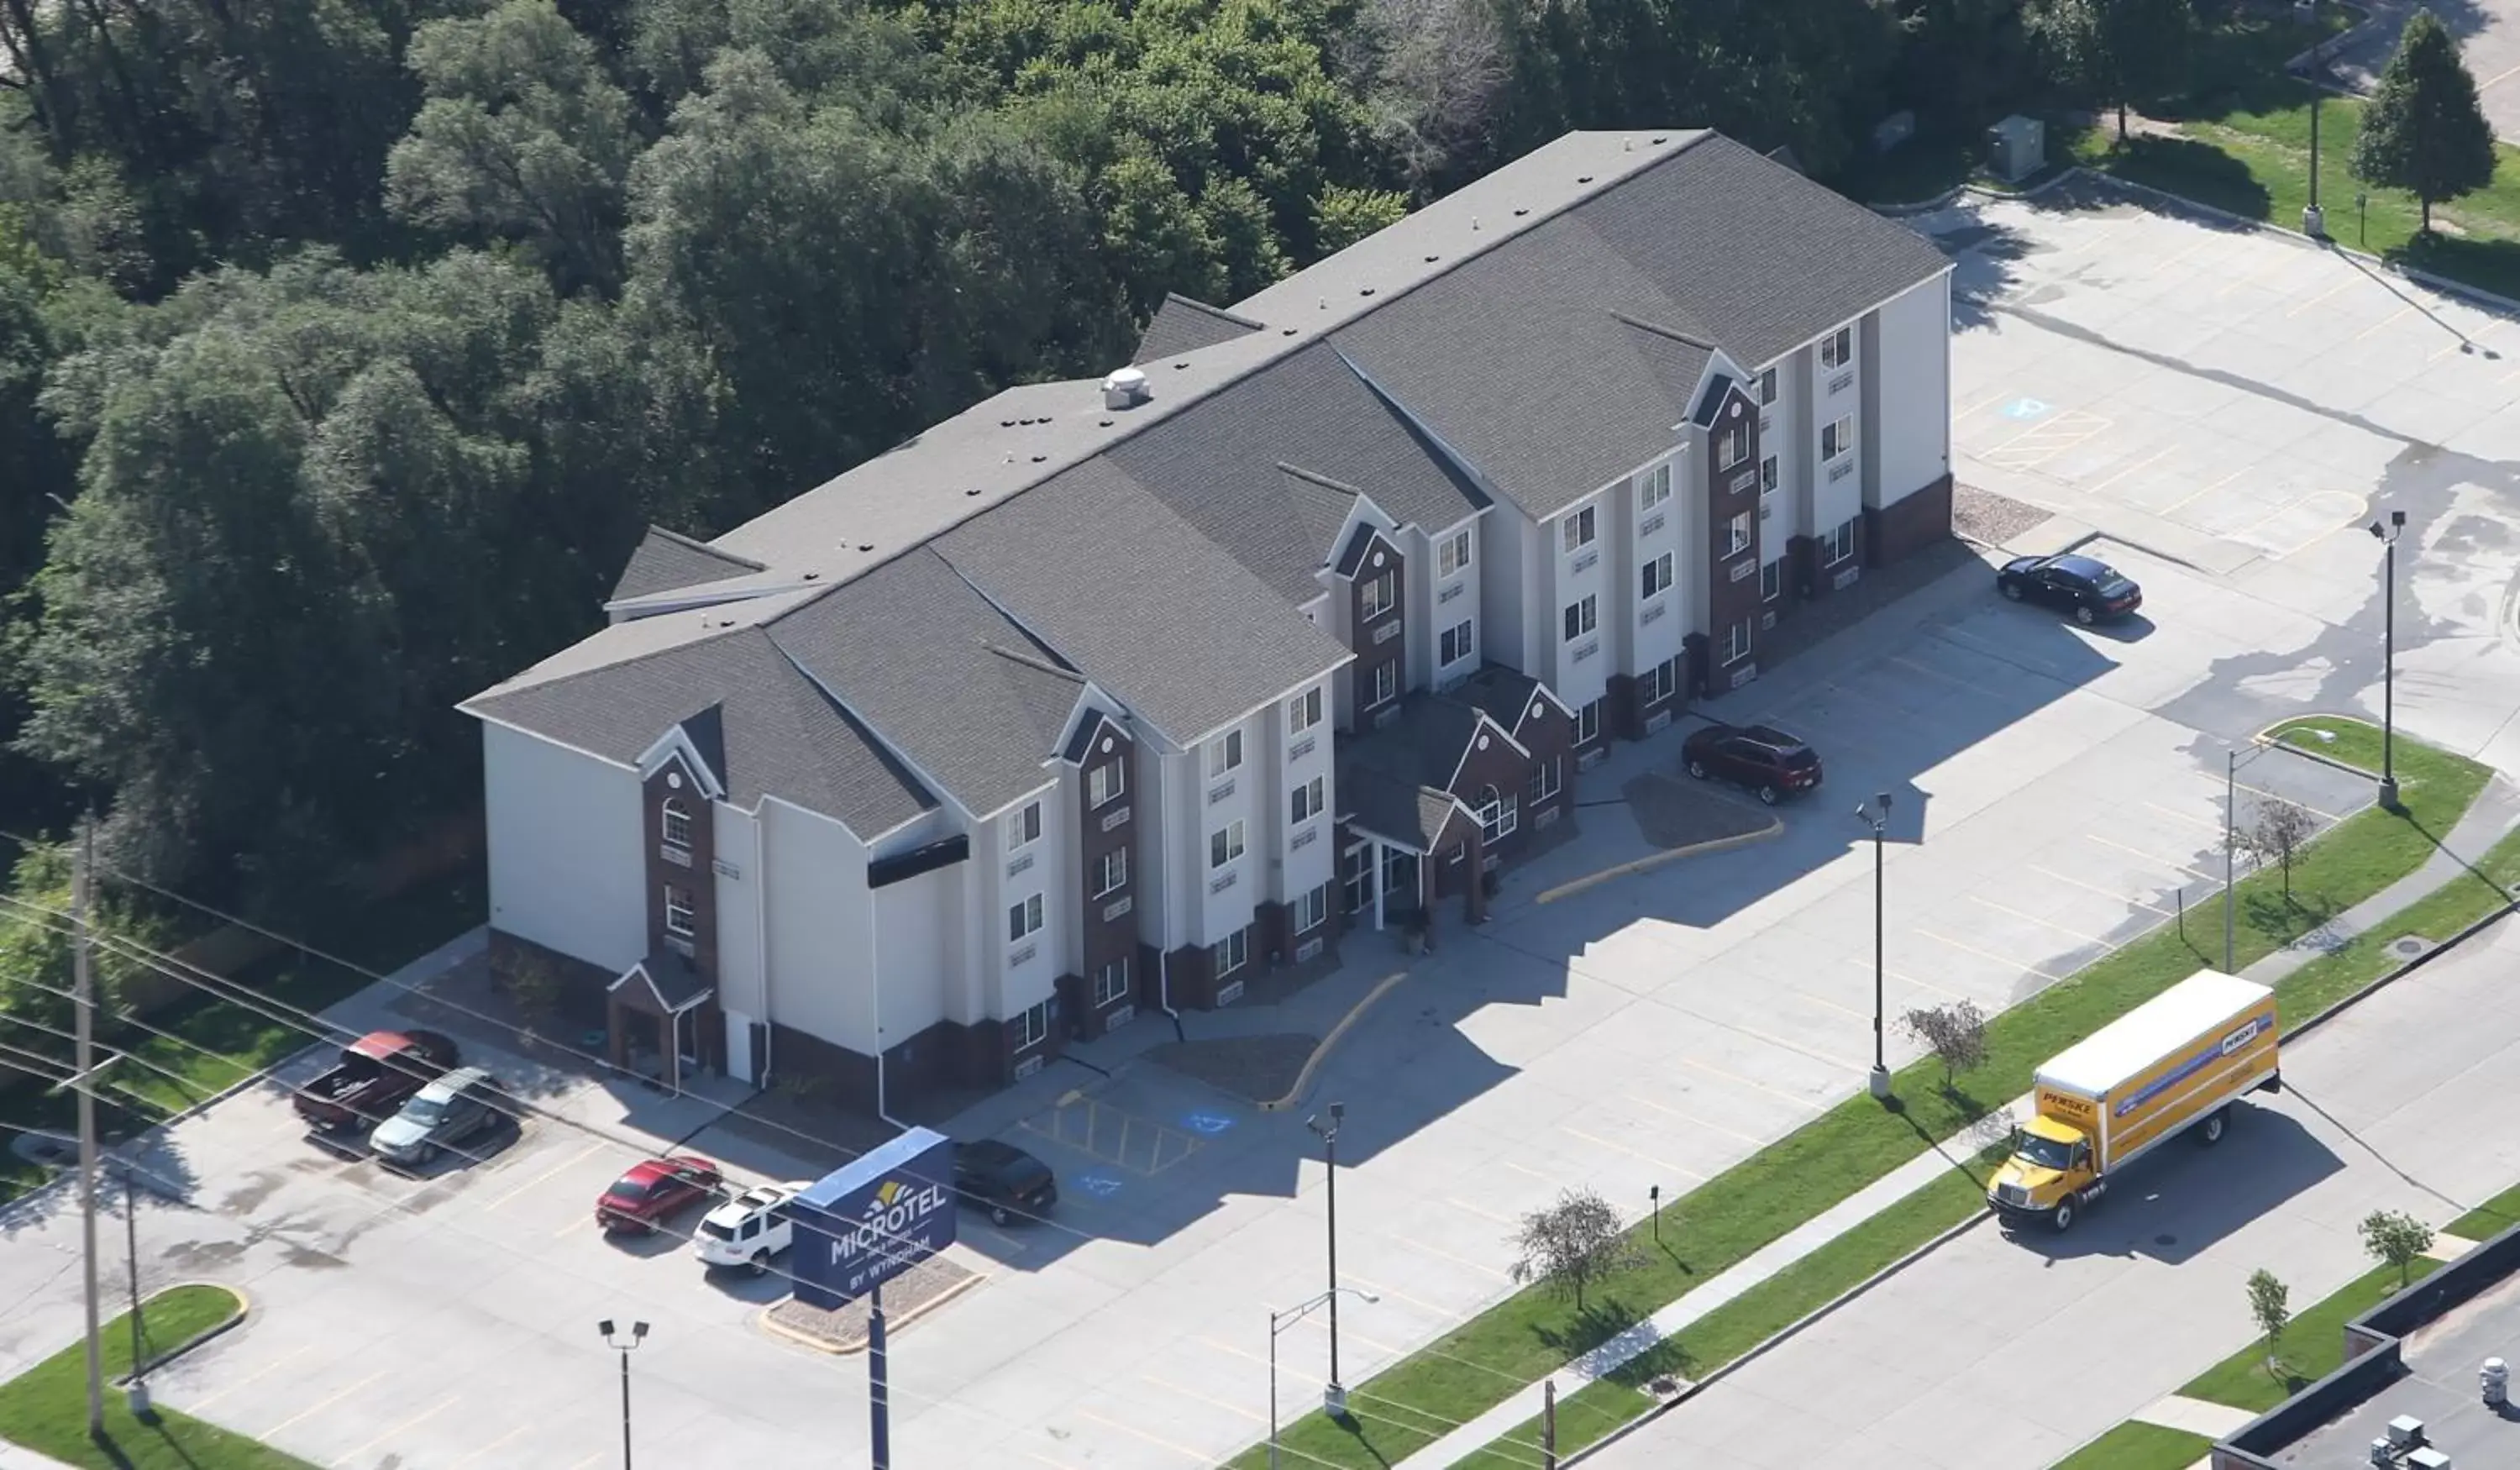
(1168, 847)
(1586, 572)
(1220, 801)
(567, 849)
(912, 916)
(1510, 567)
(1912, 430)
(738, 912)
(1659, 532)
(814, 880)
(1296, 760)
(1010, 873)
(1780, 509)
(1450, 601)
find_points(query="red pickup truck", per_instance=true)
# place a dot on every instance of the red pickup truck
(376, 1075)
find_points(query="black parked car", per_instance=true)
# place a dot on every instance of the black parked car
(2087, 587)
(1761, 757)
(1004, 1181)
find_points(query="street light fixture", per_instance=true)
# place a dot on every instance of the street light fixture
(1334, 1397)
(2389, 660)
(1878, 817)
(637, 1332)
(1279, 1322)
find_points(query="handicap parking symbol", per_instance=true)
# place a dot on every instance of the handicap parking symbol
(2025, 408)
(1099, 1184)
(1208, 1123)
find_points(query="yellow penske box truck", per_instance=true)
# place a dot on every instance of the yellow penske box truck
(2177, 1062)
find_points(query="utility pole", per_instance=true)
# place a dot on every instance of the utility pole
(878, 1381)
(2230, 850)
(83, 989)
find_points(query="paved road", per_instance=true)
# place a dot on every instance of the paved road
(2489, 35)
(1955, 1364)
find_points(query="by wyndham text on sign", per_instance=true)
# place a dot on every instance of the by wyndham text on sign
(870, 1219)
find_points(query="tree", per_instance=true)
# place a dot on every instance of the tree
(2396, 1238)
(1955, 1033)
(2424, 130)
(1433, 73)
(1342, 217)
(2269, 1309)
(1572, 1244)
(2277, 831)
(2114, 51)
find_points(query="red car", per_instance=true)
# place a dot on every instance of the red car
(651, 1192)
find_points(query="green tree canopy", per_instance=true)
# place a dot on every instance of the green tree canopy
(2115, 51)
(2424, 130)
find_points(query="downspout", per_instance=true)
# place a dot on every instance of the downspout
(1164, 956)
(761, 1066)
(874, 1001)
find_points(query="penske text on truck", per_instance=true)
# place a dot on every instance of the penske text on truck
(2176, 1062)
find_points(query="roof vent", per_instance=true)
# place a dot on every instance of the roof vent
(1106, 423)
(1037, 459)
(1431, 259)
(1583, 178)
(1474, 224)
(865, 546)
(971, 492)
(1124, 389)
(1658, 142)
(1006, 424)
(1365, 290)
(1627, 145)
(1519, 214)
(1287, 332)
(812, 576)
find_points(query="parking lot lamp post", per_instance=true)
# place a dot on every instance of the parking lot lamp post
(1334, 1396)
(1279, 1322)
(2388, 538)
(638, 1331)
(1878, 817)
(2230, 850)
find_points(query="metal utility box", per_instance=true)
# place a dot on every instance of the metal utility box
(2016, 147)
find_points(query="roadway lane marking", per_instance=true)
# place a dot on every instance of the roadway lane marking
(2153, 859)
(486, 1449)
(2499, 76)
(197, 1406)
(423, 1416)
(2096, 889)
(1712, 1069)
(1640, 1157)
(319, 1405)
(1691, 1120)
(545, 1175)
(1961, 944)
(2032, 918)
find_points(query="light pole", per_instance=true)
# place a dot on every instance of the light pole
(1878, 817)
(1279, 1322)
(1334, 1397)
(638, 1331)
(2388, 538)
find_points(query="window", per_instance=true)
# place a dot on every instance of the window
(677, 824)
(1456, 644)
(1023, 827)
(1499, 814)
(1837, 350)
(1767, 387)
(1386, 683)
(1837, 438)
(1380, 594)
(1655, 487)
(678, 910)
(1111, 873)
(1224, 753)
(1105, 781)
(1225, 844)
(1771, 581)
(1356, 876)
(1659, 683)
(1733, 446)
(1736, 534)
(1304, 711)
(1768, 475)
(1838, 543)
(1588, 723)
(1024, 918)
(1228, 953)
(1307, 801)
(1030, 1025)
(1544, 780)
(1737, 642)
(1582, 617)
(1657, 575)
(1579, 530)
(1451, 553)
(1112, 983)
(1311, 909)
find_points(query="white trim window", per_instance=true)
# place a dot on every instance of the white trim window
(1837, 438)
(1386, 683)
(1380, 594)
(674, 823)
(1659, 683)
(1837, 350)
(1030, 1025)
(1306, 800)
(1580, 529)
(1737, 642)
(1499, 814)
(1771, 581)
(1653, 487)
(1310, 910)
(1732, 445)
(1304, 711)
(1224, 753)
(1112, 983)
(1453, 552)
(1111, 873)
(678, 910)
(1839, 544)
(1023, 920)
(1023, 827)
(1225, 844)
(1105, 782)
(1657, 576)
(1767, 387)
(1458, 641)
(1736, 534)
(1768, 475)
(1544, 781)
(1582, 617)
(1230, 954)
(1588, 723)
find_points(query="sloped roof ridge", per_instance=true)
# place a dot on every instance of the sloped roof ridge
(694, 543)
(1219, 313)
(1659, 329)
(1034, 661)
(1315, 476)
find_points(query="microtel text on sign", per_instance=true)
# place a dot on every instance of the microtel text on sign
(896, 1211)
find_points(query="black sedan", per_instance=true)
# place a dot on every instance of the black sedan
(2090, 589)
(1004, 1181)
(1760, 757)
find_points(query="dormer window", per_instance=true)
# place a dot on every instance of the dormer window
(677, 824)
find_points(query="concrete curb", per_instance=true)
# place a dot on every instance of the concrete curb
(1320, 1053)
(1775, 827)
(244, 1305)
(2330, 761)
(892, 1321)
(2337, 42)
(2345, 1002)
(1817, 1314)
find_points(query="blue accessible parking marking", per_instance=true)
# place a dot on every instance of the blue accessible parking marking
(2025, 408)
(1207, 1124)
(1099, 1184)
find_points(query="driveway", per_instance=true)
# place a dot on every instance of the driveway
(2378, 1114)
(2489, 40)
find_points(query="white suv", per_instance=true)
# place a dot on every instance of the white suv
(749, 1229)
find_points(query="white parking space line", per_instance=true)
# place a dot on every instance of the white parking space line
(319, 1405)
(2348, 283)
(2478, 341)
(2273, 796)
(199, 1406)
(2044, 923)
(1636, 1154)
(1927, 986)
(1194, 1456)
(2191, 499)
(1844, 1011)
(442, 1405)
(545, 1175)
(2190, 817)
(1982, 954)
(2165, 864)
(2383, 322)
(1440, 1313)
(1481, 1267)
(486, 1449)
(1711, 1070)
(2095, 888)
(1691, 1120)
(1210, 1399)
(1458, 1203)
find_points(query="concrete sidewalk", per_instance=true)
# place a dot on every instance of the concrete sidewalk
(2495, 812)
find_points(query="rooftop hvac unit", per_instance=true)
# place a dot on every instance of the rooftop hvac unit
(2427, 1458)
(2016, 147)
(2406, 1432)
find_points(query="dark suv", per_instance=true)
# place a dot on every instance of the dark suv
(1003, 1179)
(2087, 587)
(1760, 757)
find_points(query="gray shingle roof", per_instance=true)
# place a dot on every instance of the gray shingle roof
(665, 561)
(939, 675)
(1182, 325)
(1097, 568)
(1392, 809)
(1504, 695)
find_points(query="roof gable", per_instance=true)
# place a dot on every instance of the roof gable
(1182, 325)
(665, 561)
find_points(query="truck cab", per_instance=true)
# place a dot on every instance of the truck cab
(2050, 1169)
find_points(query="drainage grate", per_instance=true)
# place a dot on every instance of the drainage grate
(2410, 947)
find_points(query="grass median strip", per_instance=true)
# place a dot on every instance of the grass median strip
(2489, 1219)
(1535, 1332)
(45, 1407)
(2314, 1345)
(2133, 1446)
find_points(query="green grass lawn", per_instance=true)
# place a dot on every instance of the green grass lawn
(45, 1407)
(2314, 1346)
(2138, 1447)
(1486, 1359)
(2489, 1219)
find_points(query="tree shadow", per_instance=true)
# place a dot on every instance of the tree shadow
(2281, 913)
(2492, 265)
(1602, 1318)
(2192, 171)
